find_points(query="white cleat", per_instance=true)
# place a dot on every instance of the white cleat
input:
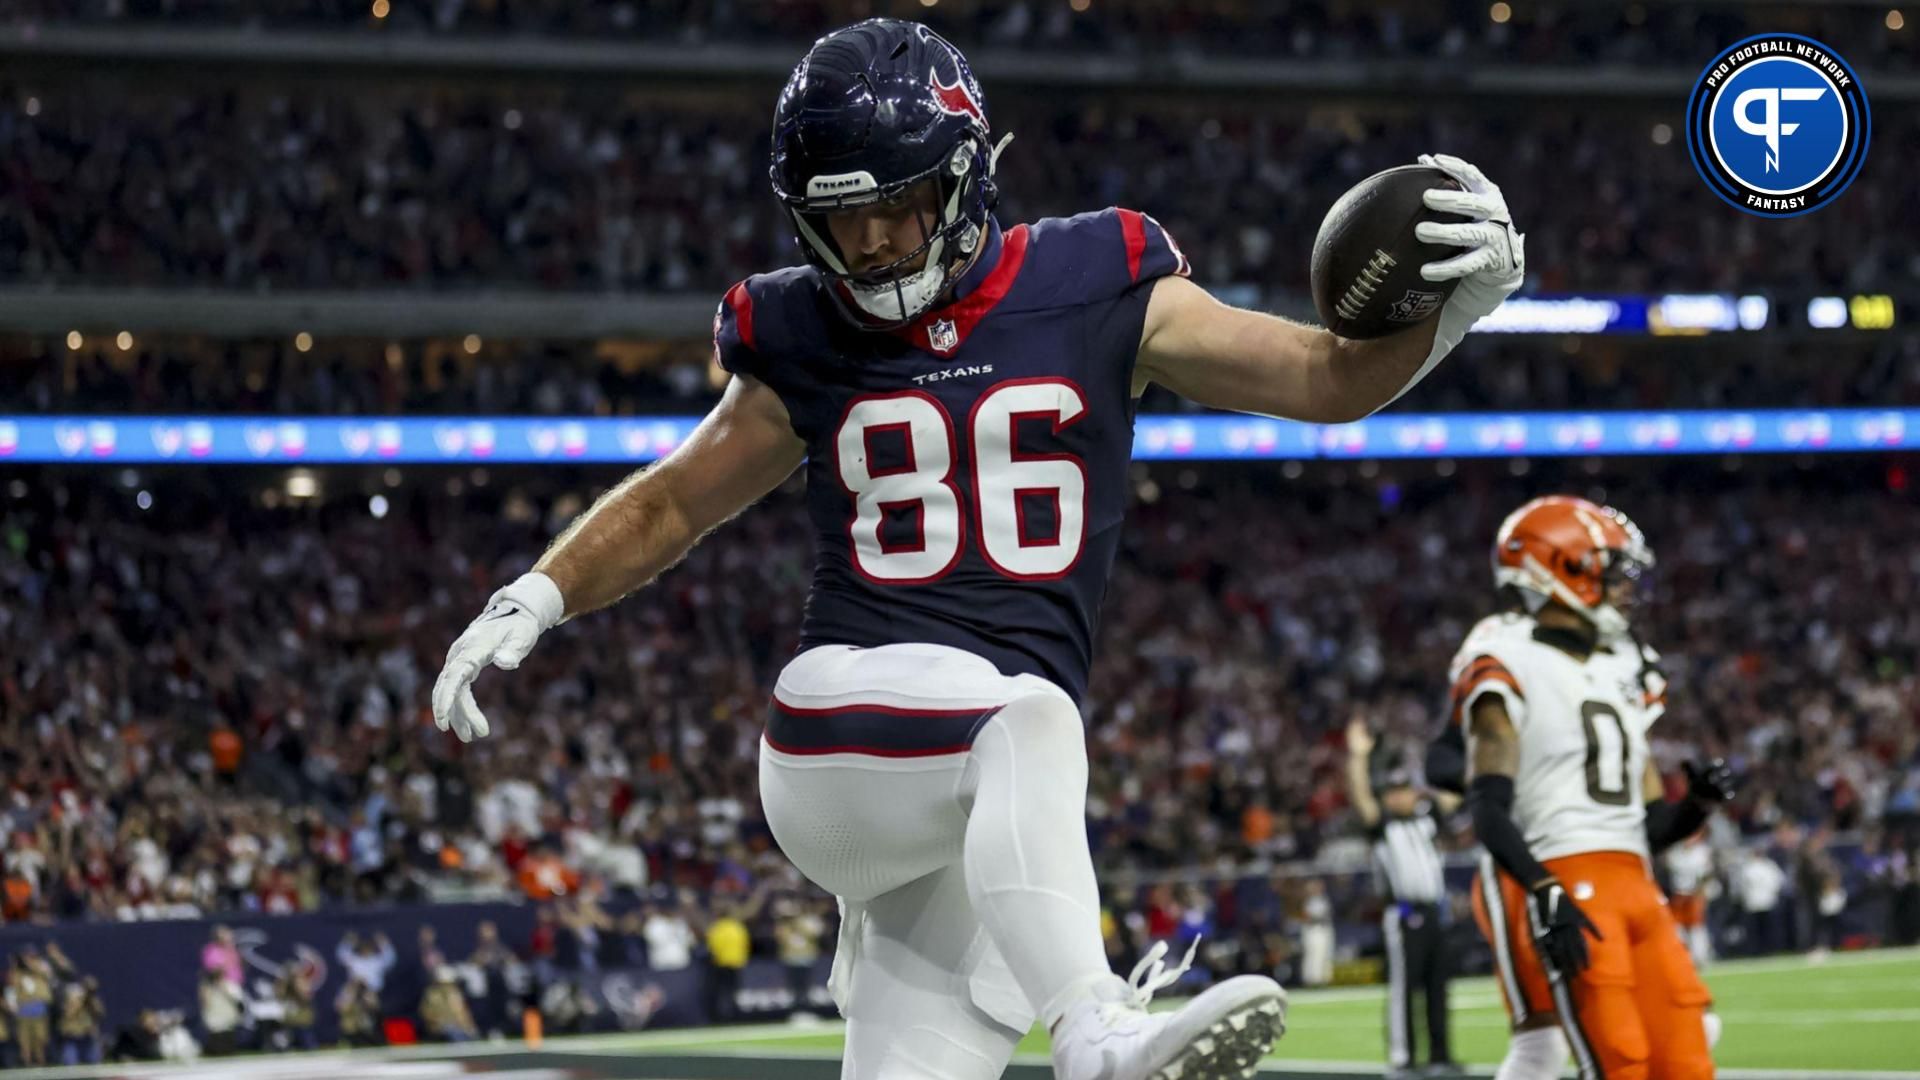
(1220, 1035)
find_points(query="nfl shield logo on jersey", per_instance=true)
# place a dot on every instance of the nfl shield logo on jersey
(942, 336)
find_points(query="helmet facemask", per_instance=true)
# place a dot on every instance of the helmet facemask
(901, 291)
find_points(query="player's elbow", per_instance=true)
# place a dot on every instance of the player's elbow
(1342, 411)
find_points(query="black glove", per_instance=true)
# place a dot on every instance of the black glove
(1711, 782)
(1558, 929)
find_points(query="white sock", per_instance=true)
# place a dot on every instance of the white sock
(1029, 873)
(1711, 1021)
(1534, 1055)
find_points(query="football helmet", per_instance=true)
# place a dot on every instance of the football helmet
(1571, 550)
(872, 111)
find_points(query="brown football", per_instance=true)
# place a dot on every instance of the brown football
(1366, 261)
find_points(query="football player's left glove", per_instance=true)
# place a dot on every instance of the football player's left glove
(1492, 267)
(1710, 782)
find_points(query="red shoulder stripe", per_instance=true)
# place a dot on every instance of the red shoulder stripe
(741, 302)
(1133, 229)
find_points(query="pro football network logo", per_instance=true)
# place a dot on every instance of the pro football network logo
(1778, 125)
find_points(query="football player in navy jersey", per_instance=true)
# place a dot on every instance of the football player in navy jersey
(962, 396)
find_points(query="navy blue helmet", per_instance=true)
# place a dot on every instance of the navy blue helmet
(873, 111)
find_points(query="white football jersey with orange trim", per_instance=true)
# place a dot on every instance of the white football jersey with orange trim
(1582, 727)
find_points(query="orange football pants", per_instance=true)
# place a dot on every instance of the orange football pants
(1637, 1012)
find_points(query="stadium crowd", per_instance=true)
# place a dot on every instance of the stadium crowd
(212, 706)
(591, 379)
(1639, 33)
(450, 187)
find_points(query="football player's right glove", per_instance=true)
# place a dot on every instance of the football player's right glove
(1491, 268)
(503, 635)
(1559, 929)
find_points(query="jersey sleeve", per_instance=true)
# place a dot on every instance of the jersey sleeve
(1476, 673)
(1653, 684)
(1148, 248)
(733, 342)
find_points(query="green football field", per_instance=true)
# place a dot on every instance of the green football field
(1858, 1011)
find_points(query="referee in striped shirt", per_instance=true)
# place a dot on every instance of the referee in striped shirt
(1402, 823)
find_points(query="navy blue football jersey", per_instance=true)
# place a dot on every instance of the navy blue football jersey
(967, 473)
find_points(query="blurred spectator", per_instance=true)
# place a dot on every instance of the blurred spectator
(222, 956)
(221, 1010)
(729, 946)
(491, 958)
(138, 1041)
(366, 960)
(798, 930)
(1761, 883)
(443, 1009)
(1316, 935)
(358, 1008)
(30, 1000)
(295, 991)
(543, 948)
(670, 939)
(377, 186)
(567, 1008)
(79, 1027)
(1271, 30)
(586, 922)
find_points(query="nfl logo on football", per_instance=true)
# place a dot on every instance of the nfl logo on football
(1414, 306)
(942, 336)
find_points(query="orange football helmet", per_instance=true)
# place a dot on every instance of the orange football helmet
(1568, 549)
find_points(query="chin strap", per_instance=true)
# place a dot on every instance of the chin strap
(993, 158)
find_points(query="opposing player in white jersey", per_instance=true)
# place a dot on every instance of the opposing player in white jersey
(962, 396)
(1689, 878)
(1555, 697)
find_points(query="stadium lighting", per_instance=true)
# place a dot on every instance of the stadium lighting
(1500, 12)
(1079, 5)
(1895, 20)
(1662, 134)
(74, 340)
(928, 3)
(124, 340)
(144, 500)
(301, 484)
(377, 506)
(381, 9)
(303, 341)
(33, 103)
(471, 344)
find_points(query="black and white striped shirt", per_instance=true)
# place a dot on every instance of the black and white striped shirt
(1405, 860)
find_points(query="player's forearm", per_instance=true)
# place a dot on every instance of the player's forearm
(1668, 823)
(1358, 378)
(627, 538)
(1360, 789)
(1490, 800)
(1248, 361)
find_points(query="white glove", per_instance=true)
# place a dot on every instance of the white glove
(503, 635)
(1492, 267)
